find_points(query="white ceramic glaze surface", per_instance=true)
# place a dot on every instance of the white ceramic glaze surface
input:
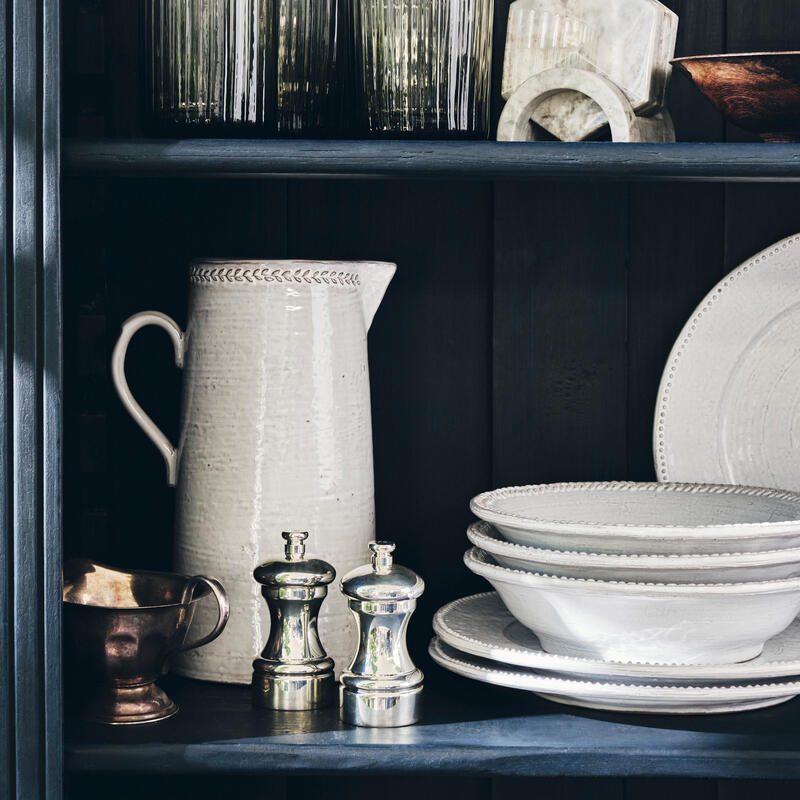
(718, 623)
(618, 696)
(631, 42)
(646, 518)
(482, 626)
(704, 568)
(275, 435)
(728, 406)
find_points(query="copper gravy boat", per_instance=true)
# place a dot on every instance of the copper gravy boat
(122, 628)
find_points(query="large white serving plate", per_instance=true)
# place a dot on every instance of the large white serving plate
(652, 518)
(728, 407)
(716, 623)
(482, 626)
(767, 565)
(618, 696)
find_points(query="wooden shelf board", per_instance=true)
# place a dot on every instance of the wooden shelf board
(410, 159)
(468, 729)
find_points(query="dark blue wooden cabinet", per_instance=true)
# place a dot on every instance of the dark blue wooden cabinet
(538, 292)
(31, 420)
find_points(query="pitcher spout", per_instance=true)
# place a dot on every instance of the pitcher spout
(375, 277)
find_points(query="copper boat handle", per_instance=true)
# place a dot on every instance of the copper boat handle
(221, 596)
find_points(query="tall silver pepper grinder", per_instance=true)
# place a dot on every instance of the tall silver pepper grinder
(382, 687)
(293, 672)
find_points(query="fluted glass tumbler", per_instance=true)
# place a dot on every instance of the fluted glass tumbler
(269, 63)
(424, 66)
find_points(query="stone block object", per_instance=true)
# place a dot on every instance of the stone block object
(630, 42)
(524, 104)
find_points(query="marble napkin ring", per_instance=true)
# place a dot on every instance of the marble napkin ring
(515, 121)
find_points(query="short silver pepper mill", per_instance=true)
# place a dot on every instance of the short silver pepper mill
(293, 672)
(382, 688)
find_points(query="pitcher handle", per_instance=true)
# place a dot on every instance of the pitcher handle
(221, 596)
(152, 431)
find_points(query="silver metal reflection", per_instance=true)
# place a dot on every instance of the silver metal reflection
(382, 687)
(293, 672)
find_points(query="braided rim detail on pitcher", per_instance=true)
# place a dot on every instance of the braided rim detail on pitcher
(272, 275)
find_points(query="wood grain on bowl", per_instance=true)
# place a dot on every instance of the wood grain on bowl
(759, 92)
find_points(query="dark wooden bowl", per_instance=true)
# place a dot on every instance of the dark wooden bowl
(759, 92)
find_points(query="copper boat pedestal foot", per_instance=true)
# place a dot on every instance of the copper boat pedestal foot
(129, 705)
(121, 631)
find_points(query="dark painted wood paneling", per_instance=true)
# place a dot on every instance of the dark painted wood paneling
(430, 359)
(675, 258)
(103, 58)
(685, 789)
(133, 786)
(124, 67)
(751, 790)
(756, 219)
(84, 90)
(560, 311)
(396, 787)
(558, 789)
(762, 26)
(701, 31)
(86, 374)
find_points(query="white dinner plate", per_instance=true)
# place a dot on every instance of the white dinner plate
(767, 565)
(615, 695)
(623, 517)
(482, 626)
(728, 407)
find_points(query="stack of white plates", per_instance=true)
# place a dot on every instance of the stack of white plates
(672, 598)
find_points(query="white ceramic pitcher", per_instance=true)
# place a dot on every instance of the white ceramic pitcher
(275, 435)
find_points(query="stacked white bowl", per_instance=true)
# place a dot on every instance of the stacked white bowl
(642, 573)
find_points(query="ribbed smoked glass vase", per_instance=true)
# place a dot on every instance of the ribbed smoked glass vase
(244, 63)
(424, 66)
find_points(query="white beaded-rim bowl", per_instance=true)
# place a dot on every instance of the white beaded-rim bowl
(646, 518)
(703, 568)
(719, 623)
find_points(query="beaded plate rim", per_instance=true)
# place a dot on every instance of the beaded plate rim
(684, 340)
(575, 664)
